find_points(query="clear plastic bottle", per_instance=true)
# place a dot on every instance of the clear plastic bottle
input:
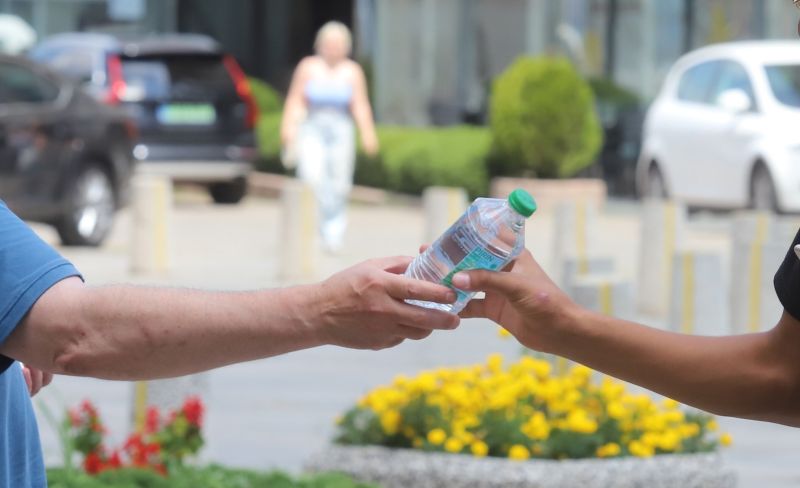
(489, 235)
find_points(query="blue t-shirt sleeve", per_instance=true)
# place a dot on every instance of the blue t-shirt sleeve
(28, 268)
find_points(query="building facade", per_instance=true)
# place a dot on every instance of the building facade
(433, 61)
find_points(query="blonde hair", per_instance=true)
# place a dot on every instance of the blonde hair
(334, 27)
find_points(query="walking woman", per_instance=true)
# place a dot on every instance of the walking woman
(327, 95)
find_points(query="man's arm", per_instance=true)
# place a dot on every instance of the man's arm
(127, 332)
(755, 376)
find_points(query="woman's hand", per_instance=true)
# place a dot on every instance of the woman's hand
(522, 299)
(369, 142)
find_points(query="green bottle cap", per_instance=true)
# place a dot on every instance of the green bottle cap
(522, 202)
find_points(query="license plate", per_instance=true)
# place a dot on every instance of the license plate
(186, 114)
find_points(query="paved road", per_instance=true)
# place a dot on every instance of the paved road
(275, 413)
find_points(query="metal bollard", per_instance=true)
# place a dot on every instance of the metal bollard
(299, 229)
(697, 304)
(606, 294)
(663, 231)
(759, 243)
(443, 205)
(151, 232)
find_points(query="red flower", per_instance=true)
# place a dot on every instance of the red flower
(92, 464)
(152, 420)
(114, 461)
(193, 410)
(88, 408)
(75, 418)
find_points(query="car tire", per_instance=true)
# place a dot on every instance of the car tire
(655, 186)
(89, 208)
(762, 190)
(230, 192)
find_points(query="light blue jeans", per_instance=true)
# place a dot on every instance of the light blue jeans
(326, 160)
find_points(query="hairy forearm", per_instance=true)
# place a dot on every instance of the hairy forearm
(744, 376)
(127, 333)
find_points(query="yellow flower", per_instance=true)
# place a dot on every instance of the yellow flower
(609, 450)
(670, 404)
(640, 449)
(519, 452)
(725, 440)
(689, 430)
(390, 422)
(479, 449)
(712, 426)
(616, 410)
(503, 333)
(495, 363)
(537, 427)
(453, 445)
(669, 441)
(437, 436)
(579, 421)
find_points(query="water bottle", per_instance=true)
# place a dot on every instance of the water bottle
(489, 235)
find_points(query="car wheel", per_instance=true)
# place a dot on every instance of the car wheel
(229, 192)
(762, 191)
(89, 208)
(655, 186)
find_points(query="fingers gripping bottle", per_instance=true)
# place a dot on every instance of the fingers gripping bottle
(489, 235)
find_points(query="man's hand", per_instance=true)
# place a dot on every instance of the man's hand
(363, 307)
(35, 379)
(523, 299)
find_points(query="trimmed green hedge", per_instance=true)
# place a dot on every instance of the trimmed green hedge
(410, 158)
(543, 120)
(207, 477)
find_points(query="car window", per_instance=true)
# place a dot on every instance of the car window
(732, 76)
(177, 78)
(784, 80)
(19, 84)
(695, 84)
(74, 63)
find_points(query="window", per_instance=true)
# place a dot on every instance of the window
(74, 63)
(177, 77)
(784, 80)
(696, 82)
(732, 76)
(19, 84)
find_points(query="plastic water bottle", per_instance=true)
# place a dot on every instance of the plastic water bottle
(489, 235)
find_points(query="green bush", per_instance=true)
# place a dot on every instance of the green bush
(543, 120)
(410, 158)
(267, 98)
(207, 477)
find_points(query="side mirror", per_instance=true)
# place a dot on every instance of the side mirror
(735, 100)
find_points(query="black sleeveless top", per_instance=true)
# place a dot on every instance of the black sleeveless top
(787, 281)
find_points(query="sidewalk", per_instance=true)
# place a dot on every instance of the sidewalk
(276, 412)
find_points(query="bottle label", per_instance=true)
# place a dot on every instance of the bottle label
(479, 258)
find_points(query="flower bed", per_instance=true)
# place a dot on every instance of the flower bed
(522, 411)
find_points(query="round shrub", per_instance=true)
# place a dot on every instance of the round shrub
(543, 120)
(267, 98)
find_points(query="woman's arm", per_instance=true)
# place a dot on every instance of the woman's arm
(295, 105)
(362, 111)
(755, 376)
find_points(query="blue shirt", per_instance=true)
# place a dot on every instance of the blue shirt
(28, 268)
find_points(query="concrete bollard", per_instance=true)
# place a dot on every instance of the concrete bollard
(759, 244)
(574, 269)
(663, 231)
(443, 206)
(575, 231)
(606, 294)
(697, 304)
(299, 229)
(151, 234)
(168, 394)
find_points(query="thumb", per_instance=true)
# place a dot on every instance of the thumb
(507, 284)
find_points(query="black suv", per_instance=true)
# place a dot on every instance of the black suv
(191, 102)
(65, 159)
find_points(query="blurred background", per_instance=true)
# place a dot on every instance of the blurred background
(143, 138)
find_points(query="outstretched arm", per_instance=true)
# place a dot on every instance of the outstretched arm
(755, 376)
(126, 332)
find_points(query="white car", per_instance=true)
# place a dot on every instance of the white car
(724, 131)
